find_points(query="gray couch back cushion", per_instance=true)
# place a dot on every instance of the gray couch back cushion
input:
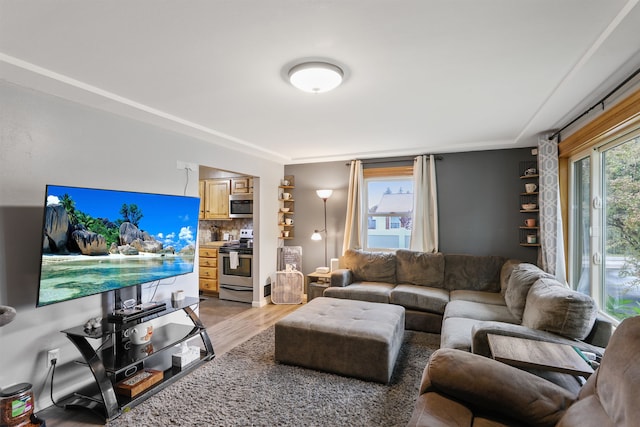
(370, 266)
(505, 273)
(520, 281)
(553, 307)
(420, 268)
(474, 273)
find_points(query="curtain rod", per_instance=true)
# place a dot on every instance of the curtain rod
(393, 160)
(601, 102)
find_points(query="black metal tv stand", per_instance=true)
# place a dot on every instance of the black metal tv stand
(127, 315)
(117, 359)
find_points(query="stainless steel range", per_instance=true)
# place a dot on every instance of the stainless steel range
(235, 273)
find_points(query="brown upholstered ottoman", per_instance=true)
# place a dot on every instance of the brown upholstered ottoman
(353, 338)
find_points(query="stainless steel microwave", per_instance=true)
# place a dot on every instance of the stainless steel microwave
(241, 206)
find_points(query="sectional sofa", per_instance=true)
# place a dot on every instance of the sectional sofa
(465, 297)
(460, 389)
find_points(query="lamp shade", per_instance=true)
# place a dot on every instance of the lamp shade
(316, 77)
(316, 235)
(324, 194)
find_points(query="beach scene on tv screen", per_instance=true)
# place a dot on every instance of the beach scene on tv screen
(100, 240)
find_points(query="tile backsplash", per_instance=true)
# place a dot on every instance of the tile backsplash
(207, 228)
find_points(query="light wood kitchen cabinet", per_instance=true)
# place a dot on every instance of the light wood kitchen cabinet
(242, 185)
(216, 199)
(201, 190)
(208, 271)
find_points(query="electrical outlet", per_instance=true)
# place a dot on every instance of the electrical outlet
(53, 355)
(185, 165)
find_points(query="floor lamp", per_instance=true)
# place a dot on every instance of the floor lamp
(324, 195)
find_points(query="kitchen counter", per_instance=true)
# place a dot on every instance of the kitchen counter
(216, 244)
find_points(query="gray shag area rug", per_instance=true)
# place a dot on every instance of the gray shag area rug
(246, 387)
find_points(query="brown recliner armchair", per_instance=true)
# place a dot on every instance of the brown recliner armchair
(465, 389)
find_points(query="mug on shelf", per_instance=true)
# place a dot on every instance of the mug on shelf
(286, 196)
(288, 221)
(530, 222)
(530, 187)
(140, 334)
(285, 233)
(284, 182)
(532, 238)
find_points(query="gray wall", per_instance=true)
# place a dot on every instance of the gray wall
(47, 140)
(478, 196)
(309, 210)
(479, 207)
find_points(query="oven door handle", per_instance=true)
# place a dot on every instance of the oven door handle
(237, 288)
(240, 255)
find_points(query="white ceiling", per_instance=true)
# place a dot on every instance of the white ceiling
(422, 76)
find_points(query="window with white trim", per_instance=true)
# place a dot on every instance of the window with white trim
(388, 196)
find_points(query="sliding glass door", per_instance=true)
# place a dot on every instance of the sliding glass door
(605, 226)
(621, 239)
(581, 217)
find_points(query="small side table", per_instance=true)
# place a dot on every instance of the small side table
(526, 353)
(316, 284)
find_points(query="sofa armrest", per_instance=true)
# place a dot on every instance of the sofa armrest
(494, 387)
(341, 277)
(601, 332)
(437, 410)
(480, 343)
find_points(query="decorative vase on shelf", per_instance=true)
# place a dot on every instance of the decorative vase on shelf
(7, 314)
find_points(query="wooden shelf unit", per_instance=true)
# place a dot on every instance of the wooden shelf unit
(286, 203)
(526, 176)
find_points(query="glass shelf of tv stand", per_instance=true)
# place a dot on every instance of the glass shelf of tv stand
(108, 328)
(117, 357)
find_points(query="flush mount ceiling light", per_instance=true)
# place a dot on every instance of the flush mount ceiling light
(316, 77)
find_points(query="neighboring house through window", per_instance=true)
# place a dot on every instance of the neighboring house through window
(388, 196)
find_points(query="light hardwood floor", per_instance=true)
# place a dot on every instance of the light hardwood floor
(228, 323)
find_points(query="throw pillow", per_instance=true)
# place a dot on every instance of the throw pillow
(520, 281)
(472, 272)
(371, 266)
(420, 268)
(553, 307)
(505, 273)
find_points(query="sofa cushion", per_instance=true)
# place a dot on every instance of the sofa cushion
(520, 281)
(586, 412)
(478, 296)
(436, 410)
(610, 396)
(456, 333)
(494, 387)
(505, 273)
(553, 307)
(362, 291)
(479, 311)
(477, 273)
(619, 375)
(371, 266)
(420, 268)
(490, 422)
(423, 298)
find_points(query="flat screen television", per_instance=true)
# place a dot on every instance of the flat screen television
(97, 240)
